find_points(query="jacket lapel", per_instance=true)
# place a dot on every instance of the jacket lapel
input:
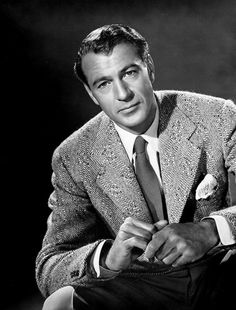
(116, 177)
(179, 155)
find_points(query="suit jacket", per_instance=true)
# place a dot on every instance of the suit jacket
(96, 188)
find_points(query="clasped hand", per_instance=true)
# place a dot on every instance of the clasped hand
(174, 244)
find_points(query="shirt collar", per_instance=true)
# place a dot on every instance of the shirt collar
(128, 138)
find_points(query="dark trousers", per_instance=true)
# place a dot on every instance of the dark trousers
(202, 285)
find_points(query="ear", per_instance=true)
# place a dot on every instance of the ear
(151, 68)
(90, 94)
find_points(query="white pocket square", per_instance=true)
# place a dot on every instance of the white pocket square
(206, 188)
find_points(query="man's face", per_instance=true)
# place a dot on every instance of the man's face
(120, 84)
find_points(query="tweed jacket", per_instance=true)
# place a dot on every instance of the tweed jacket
(95, 187)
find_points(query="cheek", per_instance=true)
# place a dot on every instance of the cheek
(102, 100)
(107, 106)
(145, 88)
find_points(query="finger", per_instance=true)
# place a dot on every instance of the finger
(129, 230)
(154, 245)
(171, 258)
(161, 224)
(165, 250)
(183, 259)
(135, 242)
(147, 226)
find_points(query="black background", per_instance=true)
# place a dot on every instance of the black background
(193, 44)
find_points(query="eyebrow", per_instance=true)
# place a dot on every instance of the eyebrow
(103, 78)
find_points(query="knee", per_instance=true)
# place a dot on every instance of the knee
(62, 299)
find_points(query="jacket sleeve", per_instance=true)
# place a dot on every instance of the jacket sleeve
(228, 134)
(73, 232)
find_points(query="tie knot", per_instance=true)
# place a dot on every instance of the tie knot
(139, 145)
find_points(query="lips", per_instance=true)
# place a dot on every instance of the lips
(129, 107)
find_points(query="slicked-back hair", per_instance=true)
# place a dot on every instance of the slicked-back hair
(104, 39)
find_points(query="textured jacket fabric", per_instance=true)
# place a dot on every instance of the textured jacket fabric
(96, 188)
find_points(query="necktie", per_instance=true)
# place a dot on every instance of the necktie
(148, 180)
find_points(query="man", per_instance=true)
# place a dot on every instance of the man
(140, 211)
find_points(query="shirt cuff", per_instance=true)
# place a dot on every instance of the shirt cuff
(224, 229)
(102, 272)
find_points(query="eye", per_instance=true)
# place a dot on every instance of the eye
(104, 84)
(130, 73)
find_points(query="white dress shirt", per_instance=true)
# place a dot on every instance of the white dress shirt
(128, 140)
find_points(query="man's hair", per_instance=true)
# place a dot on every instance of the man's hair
(104, 39)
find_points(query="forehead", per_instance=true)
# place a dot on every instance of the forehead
(96, 65)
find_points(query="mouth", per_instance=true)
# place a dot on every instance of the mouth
(130, 107)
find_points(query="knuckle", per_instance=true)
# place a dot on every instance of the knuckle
(152, 246)
(123, 227)
(122, 234)
(158, 236)
(132, 240)
(136, 242)
(135, 239)
(170, 232)
(181, 245)
(189, 252)
(128, 220)
(172, 237)
(154, 236)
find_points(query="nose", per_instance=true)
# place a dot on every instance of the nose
(123, 92)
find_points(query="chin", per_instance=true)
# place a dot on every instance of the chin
(137, 127)
(134, 123)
